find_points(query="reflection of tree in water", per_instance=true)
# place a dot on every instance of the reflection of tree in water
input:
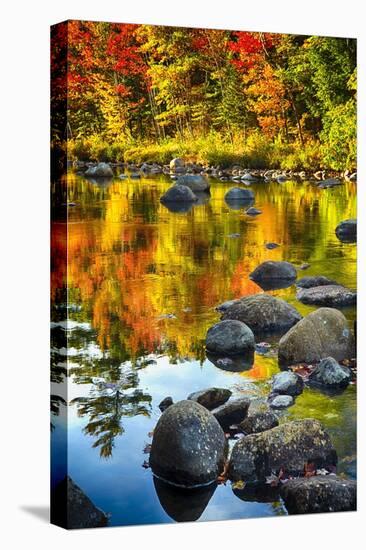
(110, 399)
(58, 375)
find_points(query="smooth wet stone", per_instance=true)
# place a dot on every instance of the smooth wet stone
(262, 313)
(319, 494)
(232, 412)
(102, 170)
(331, 374)
(178, 193)
(329, 182)
(256, 492)
(211, 398)
(188, 446)
(239, 194)
(177, 165)
(253, 211)
(195, 182)
(259, 422)
(71, 508)
(287, 383)
(314, 281)
(281, 401)
(327, 295)
(271, 270)
(289, 446)
(322, 333)
(272, 246)
(165, 403)
(346, 231)
(229, 337)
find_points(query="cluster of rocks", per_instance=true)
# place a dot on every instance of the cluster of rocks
(189, 451)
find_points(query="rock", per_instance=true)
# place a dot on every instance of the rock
(289, 446)
(271, 246)
(189, 446)
(330, 182)
(304, 266)
(229, 337)
(318, 280)
(237, 363)
(177, 165)
(262, 313)
(211, 398)
(346, 231)
(253, 211)
(239, 194)
(232, 412)
(287, 383)
(196, 183)
(320, 334)
(327, 295)
(249, 177)
(256, 492)
(165, 403)
(102, 170)
(329, 493)
(280, 401)
(331, 374)
(259, 422)
(178, 193)
(269, 271)
(225, 305)
(72, 509)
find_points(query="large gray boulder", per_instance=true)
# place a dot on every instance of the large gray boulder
(287, 383)
(211, 398)
(232, 412)
(271, 270)
(346, 231)
(102, 170)
(189, 446)
(327, 295)
(229, 337)
(195, 182)
(239, 194)
(262, 313)
(71, 508)
(316, 280)
(331, 374)
(177, 194)
(320, 334)
(289, 446)
(309, 495)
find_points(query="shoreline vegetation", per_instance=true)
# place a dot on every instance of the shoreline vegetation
(142, 93)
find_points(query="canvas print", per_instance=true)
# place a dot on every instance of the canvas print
(203, 270)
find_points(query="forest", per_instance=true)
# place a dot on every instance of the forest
(142, 93)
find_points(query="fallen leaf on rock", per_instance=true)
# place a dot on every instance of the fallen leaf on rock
(238, 485)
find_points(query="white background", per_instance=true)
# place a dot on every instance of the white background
(24, 272)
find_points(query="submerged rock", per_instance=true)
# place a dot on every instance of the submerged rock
(259, 422)
(262, 313)
(211, 398)
(272, 246)
(165, 403)
(331, 374)
(232, 412)
(253, 211)
(178, 193)
(314, 281)
(229, 337)
(287, 383)
(102, 170)
(289, 446)
(72, 509)
(195, 182)
(327, 295)
(280, 401)
(320, 334)
(235, 363)
(189, 446)
(309, 495)
(346, 231)
(270, 270)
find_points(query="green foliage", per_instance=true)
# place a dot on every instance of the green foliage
(339, 137)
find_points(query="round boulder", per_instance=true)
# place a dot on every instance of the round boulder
(320, 334)
(102, 170)
(269, 271)
(287, 383)
(346, 231)
(281, 401)
(317, 280)
(195, 182)
(331, 374)
(211, 398)
(239, 194)
(178, 193)
(327, 295)
(262, 313)
(229, 337)
(189, 445)
(177, 165)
